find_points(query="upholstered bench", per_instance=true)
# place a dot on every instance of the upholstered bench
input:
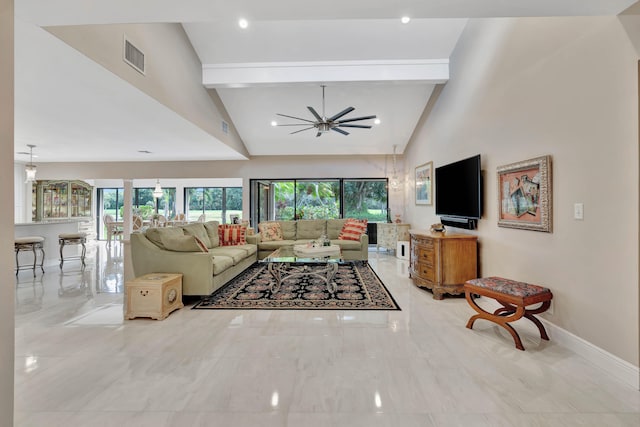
(514, 297)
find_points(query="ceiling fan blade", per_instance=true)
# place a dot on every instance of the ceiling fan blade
(294, 124)
(297, 118)
(341, 113)
(354, 126)
(356, 119)
(302, 130)
(340, 131)
(315, 114)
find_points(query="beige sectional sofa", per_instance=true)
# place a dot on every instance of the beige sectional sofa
(303, 231)
(172, 250)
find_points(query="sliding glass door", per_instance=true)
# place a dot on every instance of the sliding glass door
(317, 199)
(291, 199)
(213, 203)
(366, 199)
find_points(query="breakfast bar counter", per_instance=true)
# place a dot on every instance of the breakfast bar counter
(50, 230)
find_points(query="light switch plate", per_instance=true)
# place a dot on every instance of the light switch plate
(578, 211)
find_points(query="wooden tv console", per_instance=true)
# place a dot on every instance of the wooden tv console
(443, 262)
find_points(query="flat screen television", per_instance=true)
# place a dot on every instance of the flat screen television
(458, 189)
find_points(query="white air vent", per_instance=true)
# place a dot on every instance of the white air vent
(133, 56)
(225, 127)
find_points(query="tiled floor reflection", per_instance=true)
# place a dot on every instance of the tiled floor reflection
(78, 363)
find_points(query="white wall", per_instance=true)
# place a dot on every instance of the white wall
(173, 74)
(567, 87)
(19, 212)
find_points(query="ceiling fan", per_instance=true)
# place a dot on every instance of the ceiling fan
(324, 124)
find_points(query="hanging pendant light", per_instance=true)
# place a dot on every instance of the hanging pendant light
(157, 192)
(30, 169)
(394, 183)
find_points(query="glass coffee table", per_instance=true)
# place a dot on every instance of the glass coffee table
(288, 263)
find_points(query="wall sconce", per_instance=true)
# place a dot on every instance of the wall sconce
(157, 192)
(30, 169)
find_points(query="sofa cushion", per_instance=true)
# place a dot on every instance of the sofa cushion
(289, 229)
(198, 230)
(183, 243)
(212, 231)
(270, 231)
(348, 245)
(249, 249)
(311, 228)
(236, 254)
(155, 234)
(232, 234)
(265, 246)
(221, 263)
(353, 229)
(334, 227)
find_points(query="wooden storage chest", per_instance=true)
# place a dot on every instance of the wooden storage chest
(153, 295)
(443, 262)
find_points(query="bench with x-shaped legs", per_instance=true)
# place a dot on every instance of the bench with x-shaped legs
(514, 297)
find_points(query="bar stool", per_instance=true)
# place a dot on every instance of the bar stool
(72, 239)
(29, 243)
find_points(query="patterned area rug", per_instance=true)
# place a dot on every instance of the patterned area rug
(358, 288)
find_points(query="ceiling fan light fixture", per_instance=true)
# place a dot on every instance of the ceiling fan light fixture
(324, 124)
(376, 122)
(324, 127)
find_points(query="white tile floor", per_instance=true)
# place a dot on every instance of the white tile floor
(79, 364)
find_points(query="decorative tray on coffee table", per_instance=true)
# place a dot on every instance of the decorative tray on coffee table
(306, 250)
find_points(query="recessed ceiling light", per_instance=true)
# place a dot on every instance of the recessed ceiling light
(274, 123)
(243, 23)
(405, 19)
(376, 121)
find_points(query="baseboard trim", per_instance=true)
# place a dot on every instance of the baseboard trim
(610, 363)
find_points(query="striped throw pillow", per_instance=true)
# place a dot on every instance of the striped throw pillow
(353, 229)
(232, 234)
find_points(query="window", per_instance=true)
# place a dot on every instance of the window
(366, 199)
(215, 203)
(143, 202)
(111, 202)
(145, 205)
(317, 199)
(320, 199)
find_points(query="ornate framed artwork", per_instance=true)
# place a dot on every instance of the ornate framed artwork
(524, 195)
(424, 184)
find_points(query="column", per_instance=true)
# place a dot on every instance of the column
(7, 279)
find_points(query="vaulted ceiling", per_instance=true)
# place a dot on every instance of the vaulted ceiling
(359, 49)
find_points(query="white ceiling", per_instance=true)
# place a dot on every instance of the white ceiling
(75, 110)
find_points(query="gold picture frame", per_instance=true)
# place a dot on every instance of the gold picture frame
(424, 184)
(525, 195)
